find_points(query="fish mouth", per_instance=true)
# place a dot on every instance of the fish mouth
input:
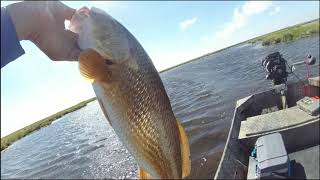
(79, 16)
(99, 31)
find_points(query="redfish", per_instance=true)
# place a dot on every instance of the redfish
(131, 95)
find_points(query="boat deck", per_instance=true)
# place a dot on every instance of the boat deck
(304, 164)
(275, 121)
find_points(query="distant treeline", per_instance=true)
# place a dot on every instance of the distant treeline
(11, 138)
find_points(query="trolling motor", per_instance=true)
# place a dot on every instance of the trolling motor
(276, 68)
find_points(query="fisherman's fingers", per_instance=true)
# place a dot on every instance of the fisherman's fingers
(67, 12)
(59, 45)
(67, 47)
(59, 10)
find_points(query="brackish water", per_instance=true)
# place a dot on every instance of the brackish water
(202, 93)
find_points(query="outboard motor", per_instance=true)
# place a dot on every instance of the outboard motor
(275, 66)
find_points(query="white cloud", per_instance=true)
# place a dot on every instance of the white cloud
(205, 38)
(241, 16)
(163, 61)
(187, 23)
(276, 10)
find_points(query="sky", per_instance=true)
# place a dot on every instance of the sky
(34, 87)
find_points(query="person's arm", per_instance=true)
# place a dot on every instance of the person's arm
(41, 22)
(10, 43)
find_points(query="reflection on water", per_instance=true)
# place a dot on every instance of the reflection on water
(203, 95)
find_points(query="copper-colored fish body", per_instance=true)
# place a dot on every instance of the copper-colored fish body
(132, 96)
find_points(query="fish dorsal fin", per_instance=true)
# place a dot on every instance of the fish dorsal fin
(93, 66)
(143, 174)
(185, 151)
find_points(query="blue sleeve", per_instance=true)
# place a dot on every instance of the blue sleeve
(10, 44)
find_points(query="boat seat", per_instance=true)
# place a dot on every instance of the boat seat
(275, 121)
(305, 163)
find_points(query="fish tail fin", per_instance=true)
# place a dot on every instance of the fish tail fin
(92, 66)
(185, 151)
(143, 174)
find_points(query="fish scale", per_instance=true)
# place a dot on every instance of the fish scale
(140, 117)
(143, 107)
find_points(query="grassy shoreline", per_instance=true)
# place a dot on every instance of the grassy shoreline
(289, 34)
(285, 35)
(11, 138)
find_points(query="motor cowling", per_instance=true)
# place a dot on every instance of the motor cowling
(275, 66)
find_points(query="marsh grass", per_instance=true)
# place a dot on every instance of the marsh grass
(289, 34)
(11, 138)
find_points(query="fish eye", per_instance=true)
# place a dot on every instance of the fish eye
(108, 62)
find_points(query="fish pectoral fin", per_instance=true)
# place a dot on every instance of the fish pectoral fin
(93, 66)
(185, 151)
(143, 174)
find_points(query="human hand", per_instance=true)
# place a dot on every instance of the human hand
(42, 23)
